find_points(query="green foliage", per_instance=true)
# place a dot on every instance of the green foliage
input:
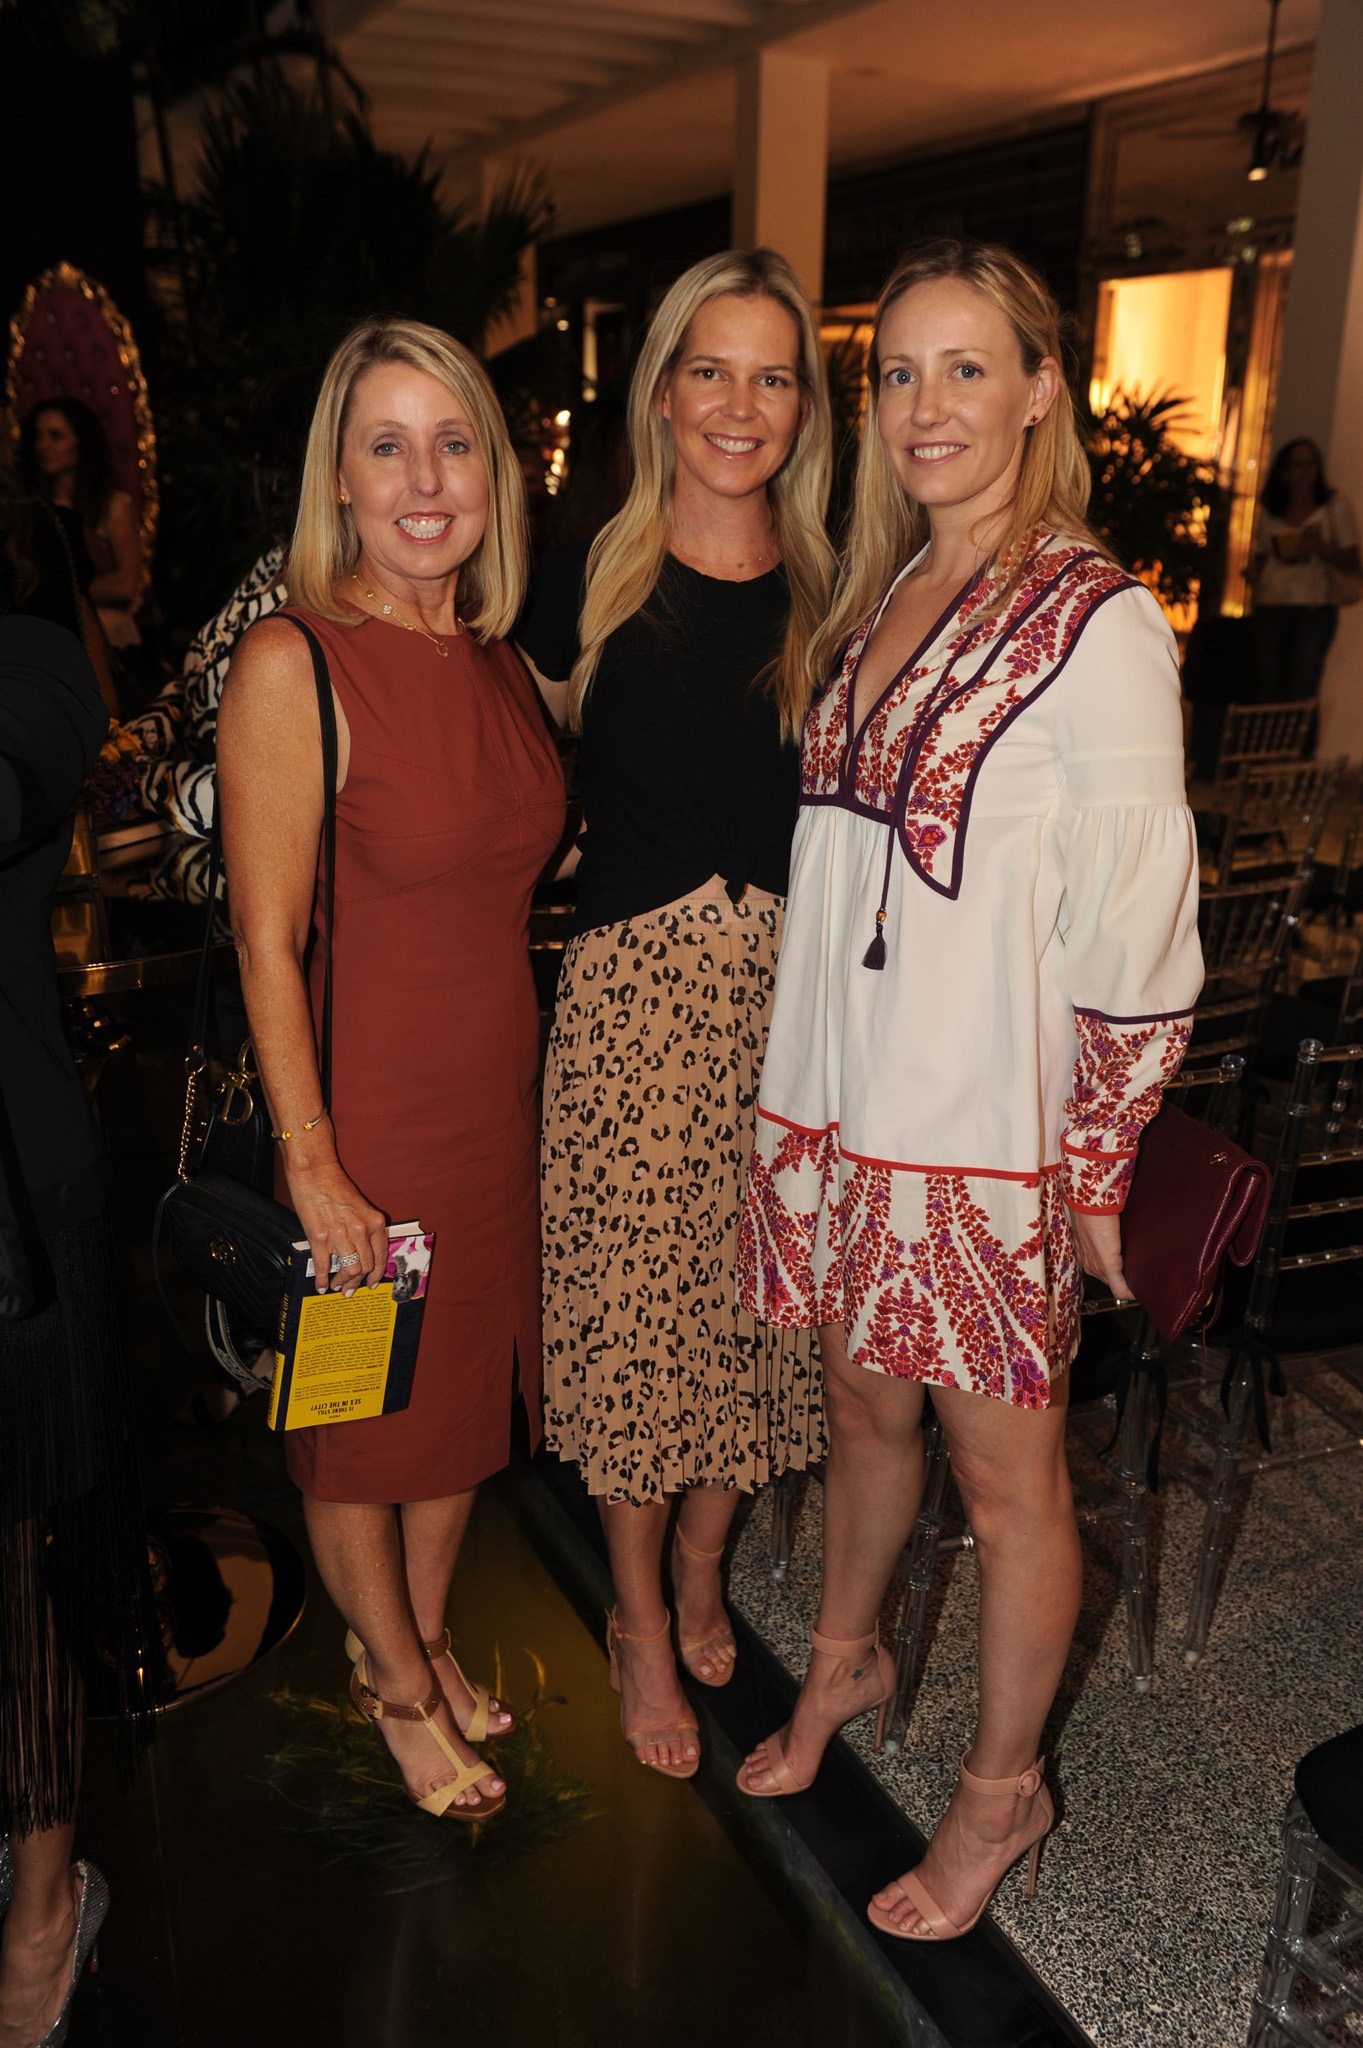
(299, 226)
(1151, 503)
(845, 361)
(345, 1791)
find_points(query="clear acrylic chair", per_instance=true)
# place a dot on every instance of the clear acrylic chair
(1310, 1989)
(1303, 1319)
(1255, 733)
(1272, 817)
(1247, 931)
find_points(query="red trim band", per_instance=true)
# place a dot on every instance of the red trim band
(1082, 1152)
(1030, 1179)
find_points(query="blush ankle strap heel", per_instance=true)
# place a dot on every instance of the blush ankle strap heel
(692, 1649)
(863, 1650)
(1027, 1784)
(687, 1768)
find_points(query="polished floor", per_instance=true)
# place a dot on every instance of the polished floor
(271, 1886)
(1157, 1888)
(270, 1883)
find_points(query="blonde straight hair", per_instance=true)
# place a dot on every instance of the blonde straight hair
(627, 556)
(326, 545)
(887, 526)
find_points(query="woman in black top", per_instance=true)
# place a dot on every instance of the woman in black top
(676, 645)
(75, 1599)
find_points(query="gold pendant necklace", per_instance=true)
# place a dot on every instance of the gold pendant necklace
(387, 611)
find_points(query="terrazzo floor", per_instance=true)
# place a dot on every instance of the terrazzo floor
(1156, 1890)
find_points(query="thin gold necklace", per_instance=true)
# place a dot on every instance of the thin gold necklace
(386, 605)
(768, 559)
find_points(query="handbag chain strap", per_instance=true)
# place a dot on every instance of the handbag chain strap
(194, 1066)
(196, 1055)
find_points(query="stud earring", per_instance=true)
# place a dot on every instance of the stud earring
(341, 498)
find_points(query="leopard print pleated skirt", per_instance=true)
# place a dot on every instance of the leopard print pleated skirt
(654, 1378)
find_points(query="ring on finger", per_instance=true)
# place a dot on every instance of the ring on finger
(348, 1259)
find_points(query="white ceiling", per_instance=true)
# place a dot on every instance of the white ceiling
(629, 104)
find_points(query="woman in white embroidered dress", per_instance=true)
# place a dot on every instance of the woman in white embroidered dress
(989, 965)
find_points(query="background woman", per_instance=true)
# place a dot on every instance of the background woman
(681, 659)
(75, 1601)
(408, 562)
(1304, 531)
(65, 456)
(989, 962)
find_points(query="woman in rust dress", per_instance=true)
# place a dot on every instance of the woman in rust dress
(408, 566)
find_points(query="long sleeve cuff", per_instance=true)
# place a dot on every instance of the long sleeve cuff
(1119, 1079)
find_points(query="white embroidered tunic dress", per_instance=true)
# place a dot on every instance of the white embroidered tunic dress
(1014, 806)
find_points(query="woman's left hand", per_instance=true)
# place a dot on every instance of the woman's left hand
(1099, 1242)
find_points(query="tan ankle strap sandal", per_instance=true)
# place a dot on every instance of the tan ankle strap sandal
(439, 1803)
(687, 1768)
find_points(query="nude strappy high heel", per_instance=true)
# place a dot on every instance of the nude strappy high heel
(440, 1802)
(784, 1780)
(1026, 1785)
(691, 1649)
(615, 1635)
(479, 1727)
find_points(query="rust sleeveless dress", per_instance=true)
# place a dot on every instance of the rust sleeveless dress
(452, 805)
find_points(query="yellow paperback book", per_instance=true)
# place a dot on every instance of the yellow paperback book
(343, 1358)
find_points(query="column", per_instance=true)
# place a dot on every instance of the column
(1320, 387)
(781, 160)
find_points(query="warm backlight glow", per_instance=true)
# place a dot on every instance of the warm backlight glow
(1158, 336)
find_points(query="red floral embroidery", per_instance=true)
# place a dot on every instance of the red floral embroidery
(880, 756)
(951, 734)
(959, 1305)
(926, 1283)
(1119, 1077)
(957, 736)
(1097, 1183)
(825, 734)
(783, 1203)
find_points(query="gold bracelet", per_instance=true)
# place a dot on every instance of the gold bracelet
(282, 1137)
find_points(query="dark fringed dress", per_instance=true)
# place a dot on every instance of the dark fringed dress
(76, 1612)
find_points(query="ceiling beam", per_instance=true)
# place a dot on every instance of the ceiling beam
(554, 30)
(593, 18)
(453, 70)
(446, 106)
(718, 52)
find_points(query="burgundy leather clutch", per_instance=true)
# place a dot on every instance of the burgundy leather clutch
(1196, 1199)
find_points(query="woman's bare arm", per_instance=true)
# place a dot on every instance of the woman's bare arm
(270, 790)
(97, 650)
(121, 586)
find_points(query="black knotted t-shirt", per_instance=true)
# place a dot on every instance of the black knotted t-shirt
(684, 774)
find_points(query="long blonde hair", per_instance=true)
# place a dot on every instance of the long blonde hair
(887, 526)
(326, 545)
(627, 556)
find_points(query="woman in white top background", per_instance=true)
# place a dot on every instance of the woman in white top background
(989, 964)
(1305, 544)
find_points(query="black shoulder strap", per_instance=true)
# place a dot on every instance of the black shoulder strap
(326, 718)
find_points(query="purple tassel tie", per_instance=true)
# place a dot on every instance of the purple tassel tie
(874, 956)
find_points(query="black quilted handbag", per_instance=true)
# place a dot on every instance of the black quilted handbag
(224, 1233)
